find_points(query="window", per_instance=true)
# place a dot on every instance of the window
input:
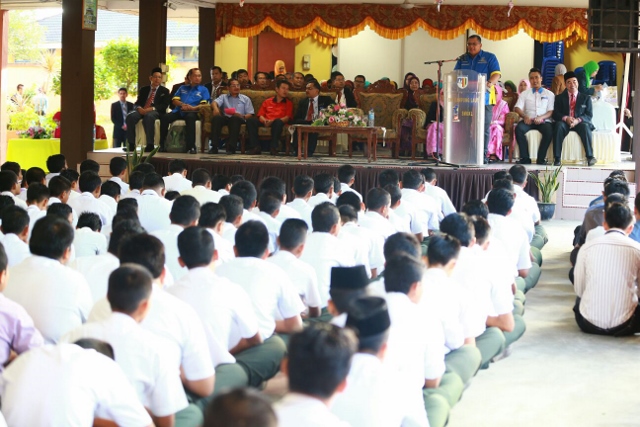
(185, 53)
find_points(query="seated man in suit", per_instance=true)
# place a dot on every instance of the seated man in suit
(573, 111)
(344, 95)
(186, 101)
(150, 106)
(274, 113)
(262, 80)
(229, 109)
(119, 111)
(216, 81)
(308, 110)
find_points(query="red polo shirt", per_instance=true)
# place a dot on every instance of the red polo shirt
(271, 109)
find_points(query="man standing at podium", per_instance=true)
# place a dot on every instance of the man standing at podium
(486, 63)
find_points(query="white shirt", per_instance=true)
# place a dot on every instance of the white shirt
(153, 211)
(150, 363)
(377, 224)
(202, 194)
(16, 200)
(303, 209)
(287, 212)
(110, 202)
(169, 238)
(223, 307)
(223, 246)
(345, 188)
(134, 194)
(248, 215)
(176, 182)
(229, 233)
(273, 227)
(368, 245)
(606, 279)
(428, 209)
(88, 203)
(535, 104)
(35, 213)
(96, 270)
(56, 297)
(409, 216)
(513, 237)
(323, 251)
(69, 386)
(124, 187)
(89, 242)
(273, 295)
(176, 321)
(296, 410)
(530, 203)
(316, 199)
(49, 176)
(441, 197)
(302, 275)
(16, 249)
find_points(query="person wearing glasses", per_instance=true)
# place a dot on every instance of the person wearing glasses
(308, 110)
(230, 109)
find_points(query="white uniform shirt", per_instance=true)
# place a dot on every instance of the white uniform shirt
(287, 212)
(303, 209)
(96, 270)
(110, 202)
(530, 203)
(18, 201)
(513, 237)
(202, 194)
(89, 243)
(88, 203)
(427, 207)
(35, 213)
(169, 238)
(441, 196)
(224, 308)
(124, 187)
(408, 213)
(536, 103)
(229, 233)
(316, 199)
(150, 363)
(368, 245)
(134, 194)
(56, 297)
(69, 386)
(176, 182)
(16, 249)
(296, 410)
(323, 251)
(273, 295)
(500, 275)
(345, 188)
(223, 246)
(273, 227)
(153, 211)
(377, 224)
(302, 275)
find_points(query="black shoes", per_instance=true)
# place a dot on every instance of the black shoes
(557, 162)
(592, 161)
(160, 150)
(213, 150)
(192, 151)
(524, 161)
(149, 148)
(541, 162)
(255, 150)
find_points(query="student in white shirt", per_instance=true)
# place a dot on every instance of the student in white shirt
(302, 190)
(292, 238)
(440, 195)
(72, 175)
(177, 179)
(136, 182)
(71, 385)
(277, 186)
(240, 407)
(55, 164)
(520, 177)
(213, 218)
(15, 227)
(151, 364)
(347, 177)
(34, 175)
(367, 245)
(185, 212)
(347, 285)
(221, 184)
(54, 295)
(275, 299)
(110, 195)
(59, 190)
(249, 195)
(9, 186)
(376, 219)
(317, 366)
(88, 240)
(118, 170)
(153, 208)
(37, 200)
(413, 191)
(323, 186)
(201, 190)
(403, 211)
(269, 206)
(233, 208)
(90, 184)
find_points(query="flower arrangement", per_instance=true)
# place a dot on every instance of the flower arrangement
(35, 132)
(338, 115)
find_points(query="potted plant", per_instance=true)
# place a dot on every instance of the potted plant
(136, 157)
(547, 183)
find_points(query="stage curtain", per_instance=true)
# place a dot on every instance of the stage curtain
(326, 22)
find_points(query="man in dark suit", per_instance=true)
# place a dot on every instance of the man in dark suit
(308, 110)
(344, 95)
(573, 111)
(119, 111)
(216, 81)
(151, 105)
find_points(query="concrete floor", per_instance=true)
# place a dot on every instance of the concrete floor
(556, 375)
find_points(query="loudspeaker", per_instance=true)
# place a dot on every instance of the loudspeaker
(614, 25)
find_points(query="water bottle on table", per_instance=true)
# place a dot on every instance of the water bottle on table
(372, 118)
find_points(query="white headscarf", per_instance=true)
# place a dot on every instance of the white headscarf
(560, 70)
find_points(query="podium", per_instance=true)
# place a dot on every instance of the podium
(464, 117)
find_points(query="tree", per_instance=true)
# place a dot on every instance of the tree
(121, 58)
(51, 63)
(103, 86)
(25, 36)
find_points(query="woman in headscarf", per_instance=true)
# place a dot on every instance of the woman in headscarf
(407, 79)
(407, 124)
(557, 84)
(500, 111)
(279, 68)
(523, 85)
(589, 71)
(433, 145)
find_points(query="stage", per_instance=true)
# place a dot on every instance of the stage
(579, 183)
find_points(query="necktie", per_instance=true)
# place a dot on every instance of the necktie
(124, 110)
(340, 97)
(572, 105)
(150, 99)
(310, 110)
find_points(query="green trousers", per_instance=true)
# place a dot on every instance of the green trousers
(518, 308)
(437, 409)
(518, 330)
(540, 231)
(325, 317)
(191, 416)
(464, 361)
(532, 278)
(537, 255)
(490, 343)
(439, 401)
(521, 285)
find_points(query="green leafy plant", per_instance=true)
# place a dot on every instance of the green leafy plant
(121, 58)
(23, 120)
(136, 157)
(547, 183)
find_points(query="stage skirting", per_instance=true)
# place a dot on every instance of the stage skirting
(462, 184)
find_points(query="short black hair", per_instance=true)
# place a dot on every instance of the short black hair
(11, 166)
(60, 210)
(101, 347)
(412, 179)
(314, 83)
(324, 216)
(401, 271)
(282, 82)
(401, 242)
(535, 70)
(346, 173)
(35, 175)
(37, 193)
(429, 174)
(337, 187)
(136, 180)
(388, 176)
(51, 237)
(475, 36)
(200, 176)
(215, 67)
(442, 249)
(91, 220)
(518, 173)
(111, 189)
(476, 207)
(4, 260)
(500, 201)
(618, 215)
(269, 202)
(127, 204)
(233, 207)
(58, 185)
(184, 211)
(502, 174)
(122, 230)
(394, 192)
(145, 250)
(252, 239)
(177, 166)
(56, 162)
(6, 202)
(459, 226)
(171, 195)
(377, 198)
(89, 165)
(7, 180)
(302, 184)
(617, 186)
(351, 199)
(360, 75)
(155, 70)
(219, 181)
(322, 183)
(274, 185)
(89, 181)
(246, 191)
(196, 247)
(145, 167)
(236, 178)
(481, 228)
(129, 285)
(71, 174)
(320, 359)
(117, 165)
(153, 181)
(503, 183)
(211, 214)
(293, 233)
(348, 214)
(240, 407)
(14, 220)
